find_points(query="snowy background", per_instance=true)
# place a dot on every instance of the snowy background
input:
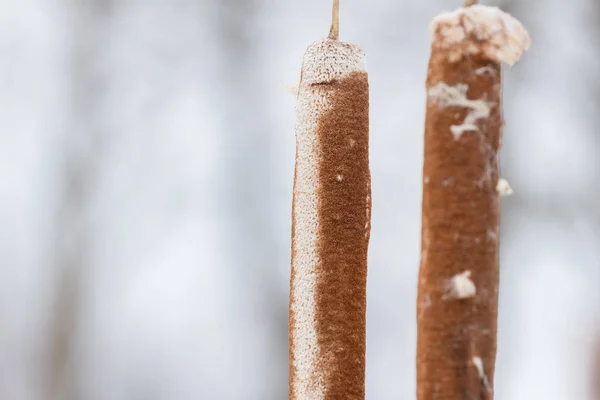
(146, 166)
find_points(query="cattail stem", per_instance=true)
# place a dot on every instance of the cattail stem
(596, 372)
(331, 226)
(334, 32)
(458, 278)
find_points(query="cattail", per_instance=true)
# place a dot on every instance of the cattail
(331, 224)
(458, 279)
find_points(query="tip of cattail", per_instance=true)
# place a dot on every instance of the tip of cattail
(481, 29)
(326, 60)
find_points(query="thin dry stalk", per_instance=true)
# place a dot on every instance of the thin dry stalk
(331, 226)
(596, 372)
(458, 277)
(81, 161)
(334, 32)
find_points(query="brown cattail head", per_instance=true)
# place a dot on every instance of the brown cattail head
(458, 278)
(331, 225)
(479, 30)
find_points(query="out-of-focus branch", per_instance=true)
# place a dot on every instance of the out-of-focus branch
(79, 165)
(249, 175)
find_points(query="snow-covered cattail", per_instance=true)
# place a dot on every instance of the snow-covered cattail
(331, 224)
(458, 279)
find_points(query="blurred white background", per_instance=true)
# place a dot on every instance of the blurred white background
(146, 167)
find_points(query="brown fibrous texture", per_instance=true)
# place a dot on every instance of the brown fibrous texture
(327, 324)
(458, 278)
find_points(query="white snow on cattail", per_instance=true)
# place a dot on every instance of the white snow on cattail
(487, 70)
(503, 187)
(478, 363)
(445, 95)
(326, 60)
(498, 35)
(461, 287)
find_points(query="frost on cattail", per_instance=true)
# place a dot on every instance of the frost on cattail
(461, 287)
(481, 31)
(461, 207)
(456, 96)
(478, 364)
(330, 229)
(503, 187)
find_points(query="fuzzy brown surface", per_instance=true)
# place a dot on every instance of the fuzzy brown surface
(344, 219)
(344, 212)
(460, 222)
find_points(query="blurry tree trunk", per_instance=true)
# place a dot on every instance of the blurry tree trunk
(248, 175)
(79, 153)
